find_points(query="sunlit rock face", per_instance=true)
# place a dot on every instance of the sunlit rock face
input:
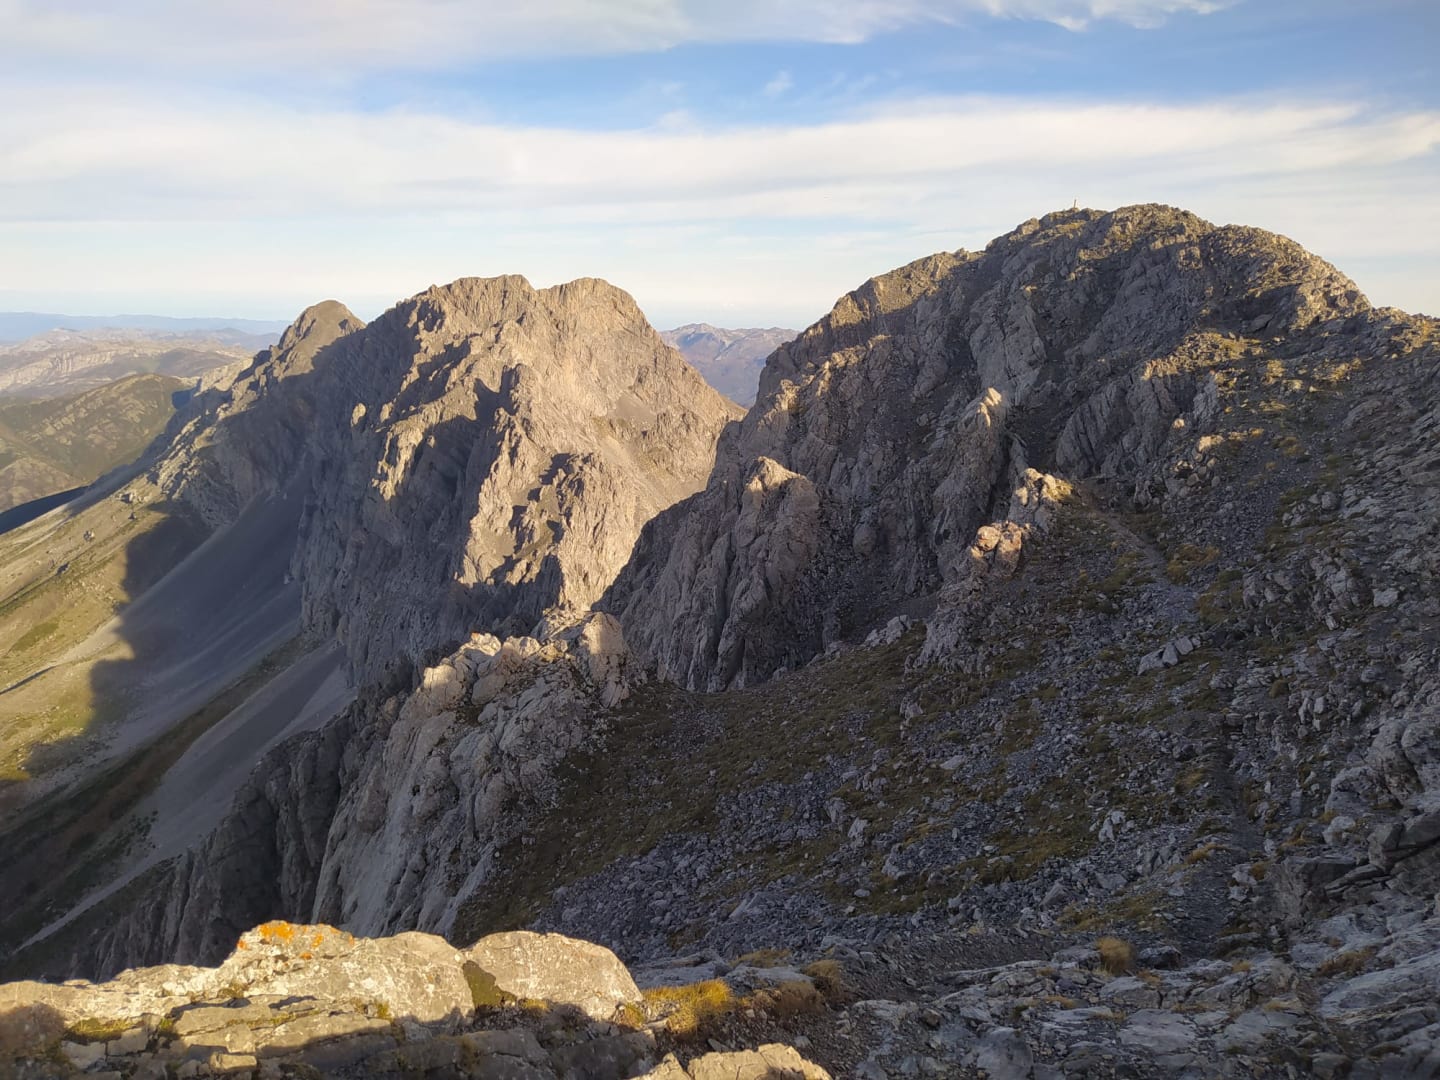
(481, 456)
(888, 431)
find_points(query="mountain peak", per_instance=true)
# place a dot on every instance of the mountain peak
(1053, 324)
(327, 320)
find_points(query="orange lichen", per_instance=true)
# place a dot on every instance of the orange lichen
(277, 930)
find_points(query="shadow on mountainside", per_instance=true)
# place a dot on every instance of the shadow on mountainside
(203, 619)
(211, 622)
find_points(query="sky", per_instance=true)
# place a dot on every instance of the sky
(740, 162)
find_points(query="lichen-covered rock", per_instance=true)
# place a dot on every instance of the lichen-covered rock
(410, 974)
(310, 999)
(552, 967)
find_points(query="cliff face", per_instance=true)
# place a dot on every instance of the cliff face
(1104, 563)
(885, 433)
(480, 456)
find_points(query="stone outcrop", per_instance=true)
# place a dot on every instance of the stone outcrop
(309, 999)
(552, 967)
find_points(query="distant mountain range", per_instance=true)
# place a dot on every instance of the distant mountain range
(19, 325)
(74, 404)
(730, 360)
(67, 361)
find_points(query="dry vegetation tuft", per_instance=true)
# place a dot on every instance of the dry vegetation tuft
(1117, 957)
(688, 1010)
(829, 979)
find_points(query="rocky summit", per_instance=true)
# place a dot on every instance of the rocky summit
(480, 456)
(1039, 681)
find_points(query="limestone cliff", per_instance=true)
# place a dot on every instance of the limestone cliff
(884, 434)
(480, 456)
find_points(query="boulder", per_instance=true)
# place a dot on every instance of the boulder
(1159, 1031)
(555, 968)
(1415, 982)
(1299, 882)
(412, 974)
(1003, 1054)
(770, 1062)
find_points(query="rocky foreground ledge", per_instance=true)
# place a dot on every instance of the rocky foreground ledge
(307, 1001)
(1355, 999)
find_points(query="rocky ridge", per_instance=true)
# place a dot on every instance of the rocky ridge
(1138, 645)
(884, 434)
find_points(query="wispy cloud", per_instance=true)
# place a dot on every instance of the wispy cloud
(777, 86)
(170, 193)
(342, 35)
(142, 158)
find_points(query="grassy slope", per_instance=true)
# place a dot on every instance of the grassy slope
(59, 581)
(57, 443)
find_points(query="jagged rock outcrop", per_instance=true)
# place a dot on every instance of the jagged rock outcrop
(479, 456)
(452, 769)
(311, 1000)
(1077, 343)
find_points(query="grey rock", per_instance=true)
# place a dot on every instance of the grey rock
(555, 968)
(1128, 992)
(771, 544)
(1412, 982)
(1159, 1031)
(1003, 1054)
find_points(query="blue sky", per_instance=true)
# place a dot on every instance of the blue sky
(741, 163)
